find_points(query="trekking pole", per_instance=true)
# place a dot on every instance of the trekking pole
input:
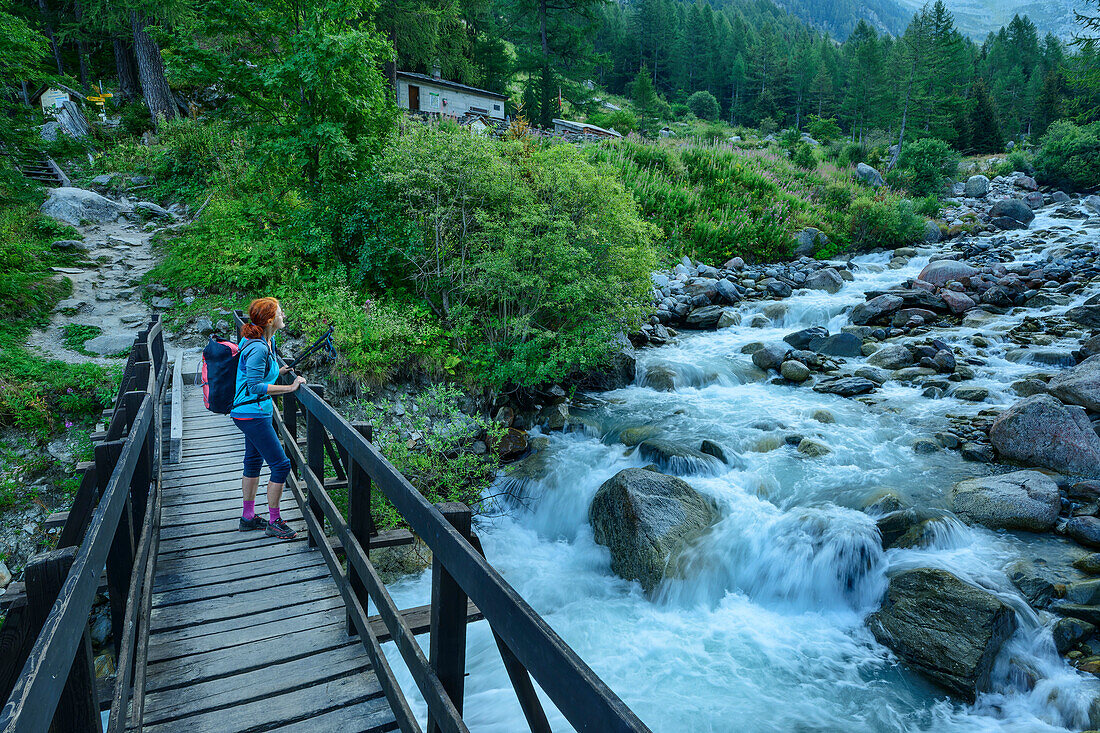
(325, 342)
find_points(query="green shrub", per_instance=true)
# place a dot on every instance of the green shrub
(704, 105)
(875, 222)
(929, 206)
(851, 154)
(535, 255)
(836, 196)
(1069, 156)
(622, 121)
(803, 156)
(823, 129)
(679, 109)
(924, 167)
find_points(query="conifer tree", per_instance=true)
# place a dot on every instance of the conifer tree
(983, 132)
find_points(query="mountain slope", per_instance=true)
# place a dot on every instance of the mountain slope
(839, 17)
(977, 18)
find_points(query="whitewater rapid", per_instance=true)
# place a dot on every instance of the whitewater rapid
(765, 629)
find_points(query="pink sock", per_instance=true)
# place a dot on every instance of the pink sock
(249, 510)
(273, 514)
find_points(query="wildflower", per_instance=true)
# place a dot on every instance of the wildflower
(69, 390)
(68, 424)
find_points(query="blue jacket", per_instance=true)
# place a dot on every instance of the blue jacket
(256, 371)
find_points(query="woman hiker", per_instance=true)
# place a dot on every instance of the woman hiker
(252, 414)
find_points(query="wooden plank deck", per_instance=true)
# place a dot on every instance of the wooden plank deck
(247, 632)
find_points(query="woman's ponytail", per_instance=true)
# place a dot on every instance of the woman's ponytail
(260, 313)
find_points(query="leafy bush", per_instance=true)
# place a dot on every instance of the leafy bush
(803, 156)
(929, 206)
(534, 254)
(925, 166)
(851, 154)
(439, 463)
(704, 105)
(875, 222)
(823, 129)
(622, 121)
(1069, 156)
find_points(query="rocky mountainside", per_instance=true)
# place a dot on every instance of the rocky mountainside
(977, 18)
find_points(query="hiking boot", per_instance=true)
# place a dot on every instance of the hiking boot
(280, 530)
(257, 522)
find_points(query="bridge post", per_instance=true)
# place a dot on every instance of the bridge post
(360, 520)
(447, 647)
(120, 557)
(315, 459)
(78, 708)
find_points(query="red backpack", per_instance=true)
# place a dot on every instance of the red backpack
(218, 376)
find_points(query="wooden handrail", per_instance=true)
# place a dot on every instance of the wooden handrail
(579, 694)
(120, 488)
(30, 708)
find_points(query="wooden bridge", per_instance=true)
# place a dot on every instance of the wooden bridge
(215, 629)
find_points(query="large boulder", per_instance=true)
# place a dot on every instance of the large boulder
(839, 344)
(1079, 385)
(891, 356)
(845, 386)
(727, 291)
(945, 629)
(827, 279)
(957, 303)
(1087, 314)
(977, 187)
(942, 272)
(1041, 431)
(808, 241)
(801, 339)
(771, 356)
(874, 309)
(646, 519)
(869, 175)
(1013, 209)
(706, 317)
(76, 205)
(1026, 500)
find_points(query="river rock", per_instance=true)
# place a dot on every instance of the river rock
(660, 378)
(932, 233)
(845, 386)
(941, 272)
(808, 240)
(1079, 385)
(943, 628)
(1086, 314)
(970, 394)
(673, 456)
(1013, 209)
(1068, 632)
(727, 291)
(1026, 500)
(869, 175)
(795, 371)
(891, 356)
(976, 187)
(875, 308)
(957, 302)
(813, 448)
(705, 318)
(646, 519)
(827, 279)
(5, 575)
(771, 356)
(1042, 431)
(1035, 583)
(801, 339)
(839, 344)
(1084, 531)
(74, 205)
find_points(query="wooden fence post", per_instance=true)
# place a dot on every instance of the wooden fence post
(315, 459)
(120, 558)
(447, 647)
(360, 521)
(78, 708)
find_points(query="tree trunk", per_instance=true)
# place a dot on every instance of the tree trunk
(904, 115)
(547, 115)
(82, 50)
(127, 71)
(154, 83)
(26, 94)
(389, 68)
(49, 34)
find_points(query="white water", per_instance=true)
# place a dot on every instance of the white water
(765, 630)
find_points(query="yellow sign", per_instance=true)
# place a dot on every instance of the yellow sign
(100, 97)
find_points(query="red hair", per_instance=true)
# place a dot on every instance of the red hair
(260, 313)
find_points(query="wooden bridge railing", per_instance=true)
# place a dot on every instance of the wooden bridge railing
(528, 646)
(46, 672)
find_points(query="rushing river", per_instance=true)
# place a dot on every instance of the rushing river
(765, 631)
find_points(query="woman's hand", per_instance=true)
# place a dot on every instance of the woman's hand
(283, 370)
(298, 382)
